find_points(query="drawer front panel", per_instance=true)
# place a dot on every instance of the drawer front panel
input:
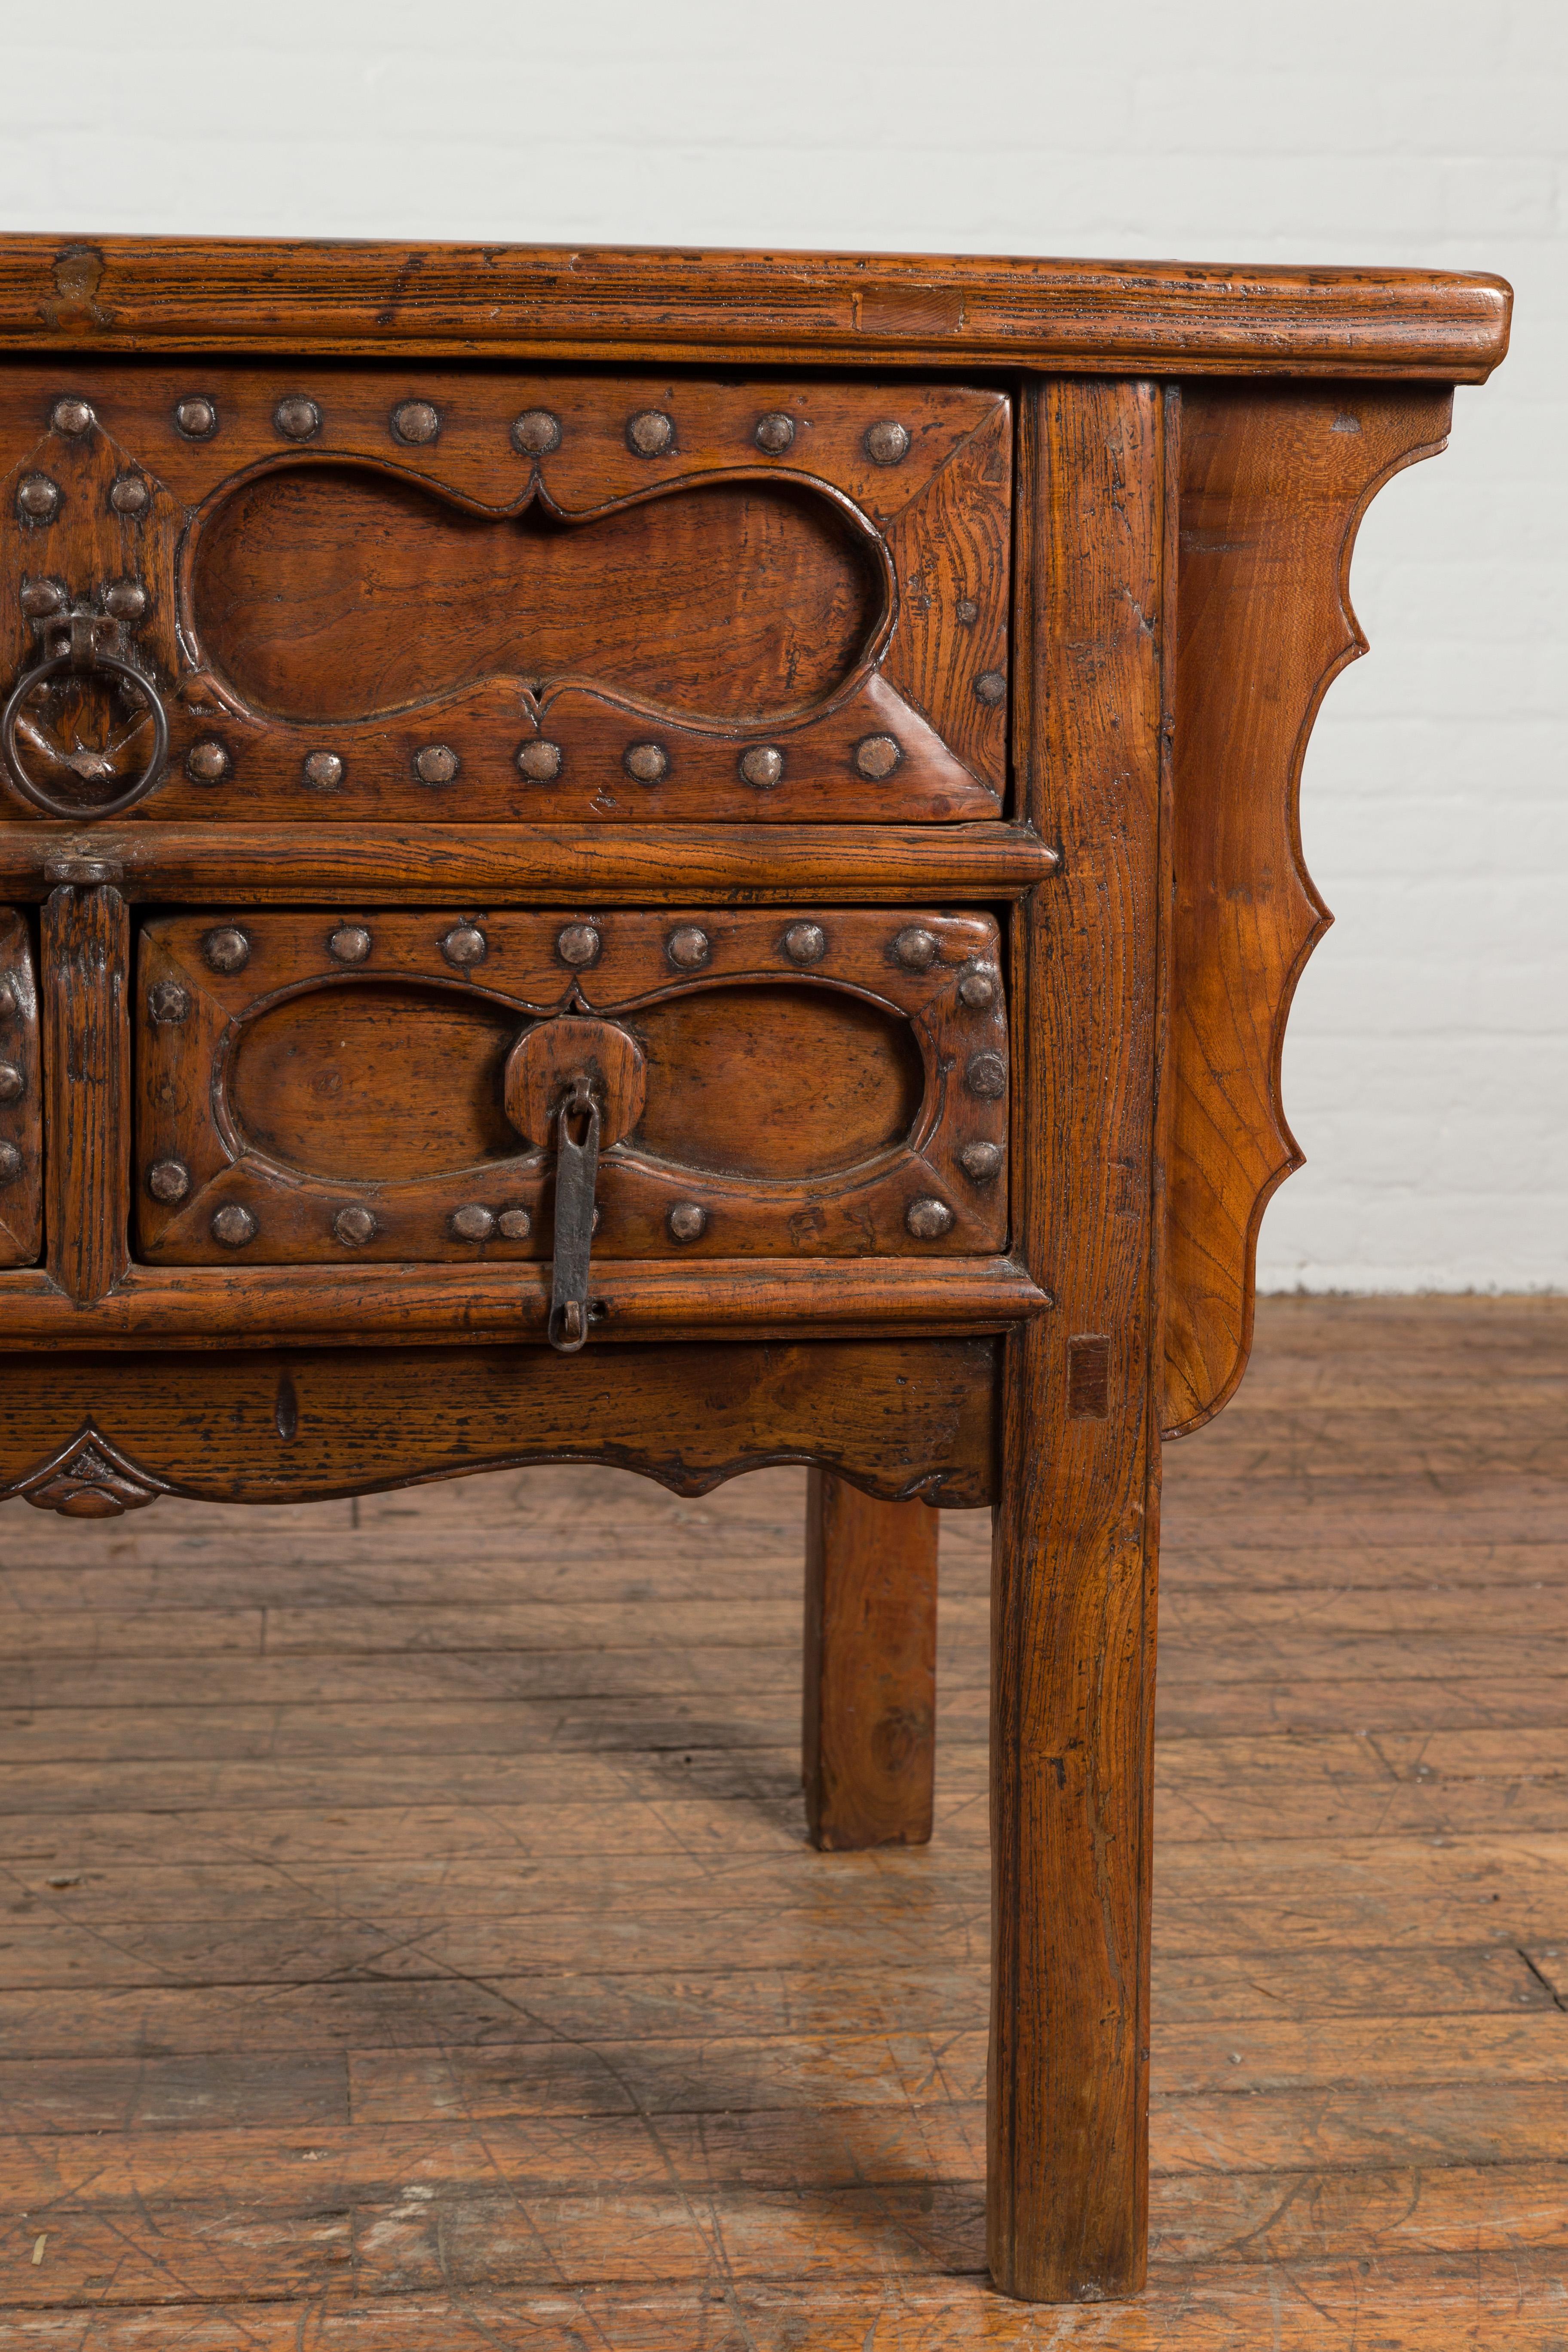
(448, 595)
(802, 1082)
(21, 1106)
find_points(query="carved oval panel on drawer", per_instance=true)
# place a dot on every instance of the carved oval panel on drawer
(375, 1083)
(308, 1085)
(490, 597)
(742, 599)
(778, 1083)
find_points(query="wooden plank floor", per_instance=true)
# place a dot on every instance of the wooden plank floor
(409, 1944)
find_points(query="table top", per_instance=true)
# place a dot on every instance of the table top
(637, 303)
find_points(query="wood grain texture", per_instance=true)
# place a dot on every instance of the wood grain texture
(632, 1299)
(117, 293)
(522, 865)
(806, 1106)
(869, 1734)
(951, 556)
(261, 1428)
(21, 1096)
(736, 600)
(84, 970)
(1075, 1549)
(1274, 485)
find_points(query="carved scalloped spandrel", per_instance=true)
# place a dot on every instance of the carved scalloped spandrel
(1273, 485)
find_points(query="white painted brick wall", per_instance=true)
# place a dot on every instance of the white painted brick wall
(1427, 1069)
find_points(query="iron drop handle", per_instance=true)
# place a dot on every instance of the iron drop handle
(576, 1171)
(75, 642)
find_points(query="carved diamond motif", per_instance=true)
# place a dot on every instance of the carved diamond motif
(90, 1479)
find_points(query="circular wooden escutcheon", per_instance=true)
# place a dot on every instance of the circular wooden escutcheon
(545, 1059)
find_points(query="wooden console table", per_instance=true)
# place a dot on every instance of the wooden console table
(687, 861)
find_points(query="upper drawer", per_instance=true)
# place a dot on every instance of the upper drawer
(415, 594)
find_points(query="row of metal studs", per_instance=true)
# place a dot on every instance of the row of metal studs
(649, 432)
(226, 949)
(234, 1226)
(761, 765)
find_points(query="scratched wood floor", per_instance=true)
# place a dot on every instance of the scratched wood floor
(409, 1944)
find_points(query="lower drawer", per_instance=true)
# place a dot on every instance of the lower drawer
(808, 1082)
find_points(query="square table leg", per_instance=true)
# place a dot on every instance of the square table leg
(868, 1732)
(1075, 1552)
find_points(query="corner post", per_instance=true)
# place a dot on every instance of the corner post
(1074, 1551)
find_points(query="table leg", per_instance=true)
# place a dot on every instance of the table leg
(1072, 1704)
(1073, 1578)
(868, 1740)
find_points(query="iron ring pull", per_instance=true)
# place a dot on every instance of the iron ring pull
(83, 664)
(576, 1169)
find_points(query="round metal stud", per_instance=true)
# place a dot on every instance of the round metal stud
(928, 1220)
(206, 762)
(416, 422)
(986, 1075)
(436, 763)
(982, 1160)
(233, 1226)
(977, 987)
(887, 441)
(168, 1003)
(11, 1082)
(297, 417)
(688, 948)
(196, 418)
(536, 432)
(805, 943)
(226, 949)
(129, 494)
(10, 1164)
(473, 1221)
(775, 431)
(687, 1222)
(991, 688)
(578, 945)
(514, 1225)
(39, 598)
(877, 757)
(539, 761)
(350, 943)
(73, 416)
(38, 498)
(966, 612)
(355, 1225)
(323, 772)
(650, 433)
(126, 601)
(168, 1181)
(762, 765)
(648, 762)
(916, 949)
(465, 945)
